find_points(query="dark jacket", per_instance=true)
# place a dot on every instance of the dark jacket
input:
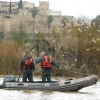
(24, 70)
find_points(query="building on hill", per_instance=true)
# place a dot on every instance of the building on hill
(59, 13)
(15, 6)
(43, 7)
(12, 15)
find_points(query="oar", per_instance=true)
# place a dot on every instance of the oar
(19, 77)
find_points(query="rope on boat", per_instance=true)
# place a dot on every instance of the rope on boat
(76, 72)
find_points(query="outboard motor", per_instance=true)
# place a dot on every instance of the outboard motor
(9, 78)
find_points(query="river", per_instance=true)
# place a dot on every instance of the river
(88, 93)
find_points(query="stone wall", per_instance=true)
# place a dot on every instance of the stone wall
(10, 22)
(43, 7)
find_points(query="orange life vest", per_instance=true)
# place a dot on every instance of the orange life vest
(27, 63)
(47, 63)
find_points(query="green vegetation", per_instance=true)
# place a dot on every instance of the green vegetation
(50, 20)
(10, 8)
(20, 4)
(34, 12)
(64, 21)
(2, 34)
(20, 36)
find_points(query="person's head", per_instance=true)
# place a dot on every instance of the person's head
(43, 53)
(29, 54)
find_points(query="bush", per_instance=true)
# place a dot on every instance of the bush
(10, 55)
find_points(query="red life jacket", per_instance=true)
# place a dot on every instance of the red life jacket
(47, 63)
(27, 63)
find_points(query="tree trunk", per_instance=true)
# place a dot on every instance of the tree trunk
(33, 27)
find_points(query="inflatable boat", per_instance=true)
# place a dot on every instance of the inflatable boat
(10, 82)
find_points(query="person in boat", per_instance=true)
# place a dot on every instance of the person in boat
(27, 67)
(46, 66)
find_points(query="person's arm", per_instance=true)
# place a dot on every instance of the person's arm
(33, 65)
(55, 64)
(39, 60)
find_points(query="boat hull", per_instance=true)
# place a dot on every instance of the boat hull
(68, 85)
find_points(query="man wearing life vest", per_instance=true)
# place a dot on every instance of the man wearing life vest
(27, 66)
(46, 63)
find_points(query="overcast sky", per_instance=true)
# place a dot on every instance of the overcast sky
(87, 8)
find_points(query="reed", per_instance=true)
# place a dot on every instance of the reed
(10, 55)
